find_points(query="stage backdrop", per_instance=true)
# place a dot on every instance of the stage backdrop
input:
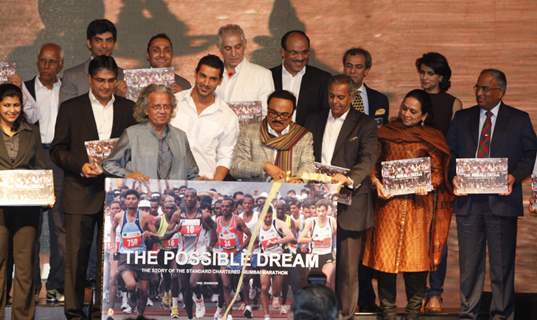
(472, 34)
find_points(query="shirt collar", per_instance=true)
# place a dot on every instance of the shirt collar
(341, 118)
(40, 85)
(494, 110)
(94, 100)
(154, 133)
(274, 133)
(215, 107)
(287, 73)
(361, 88)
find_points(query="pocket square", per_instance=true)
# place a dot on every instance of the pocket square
(380, 112)
(353, 139)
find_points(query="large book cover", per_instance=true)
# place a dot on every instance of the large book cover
(247, 111)
(482, 175)
(401, 177)
(98, 150)
(26, 188)
(6, 69)
(138, 79)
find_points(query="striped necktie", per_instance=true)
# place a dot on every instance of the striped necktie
(484, 138)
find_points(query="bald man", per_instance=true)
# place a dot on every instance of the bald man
(45, 90)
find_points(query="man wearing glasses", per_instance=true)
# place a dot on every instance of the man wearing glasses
(276, 149)
(307, 83)
(491, 129)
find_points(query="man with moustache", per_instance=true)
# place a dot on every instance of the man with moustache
(491, 129)
(357, 63)
(243, 80)
(160, 55)
(45, 90)
(307, 83)
(95, 115)
(277, 148)
(347, 138)
(210, 125)
(101, 37)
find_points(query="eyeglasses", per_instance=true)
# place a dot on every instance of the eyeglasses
(485, 89)
(161, 107)
(282, 115)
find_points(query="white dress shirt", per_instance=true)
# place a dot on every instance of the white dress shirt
(483, 117)
(292, 83)
(212, 134)
(363, 93)
(250, 82)
(47, 102)
(276, 134)
(330, 135)
(103, 115)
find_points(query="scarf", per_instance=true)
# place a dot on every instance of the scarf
(443, 198)
(283, 144)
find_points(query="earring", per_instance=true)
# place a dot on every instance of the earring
(422, 122)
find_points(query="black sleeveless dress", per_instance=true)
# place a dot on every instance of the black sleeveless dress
(442, 111)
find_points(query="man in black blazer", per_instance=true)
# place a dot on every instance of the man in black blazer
(306, 82)
(96, 115)
(496, 130)
(357, 63)
(347, 138)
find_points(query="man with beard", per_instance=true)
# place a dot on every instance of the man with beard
(210, 125)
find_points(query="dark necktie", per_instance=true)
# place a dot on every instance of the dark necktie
(357, 102)
(484, 138)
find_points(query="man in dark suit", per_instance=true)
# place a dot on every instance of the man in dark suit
(496, 130)
(306, 82)
(95, 115)
(347, 138)
(101, 37)
(357, 63)
(45, 90)
(160, 55)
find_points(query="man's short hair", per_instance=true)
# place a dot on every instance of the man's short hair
(132, 192)
(341, 79)
(324, 203)
(315, 302)
(283, 94)
(289, 33)
(52, 45)
(159, 36)
(212, 61)
(100, 26)
(359, 52)
(498, 75)
(102, 62)
(230, 29)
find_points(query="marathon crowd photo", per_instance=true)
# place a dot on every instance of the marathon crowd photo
(193, 213)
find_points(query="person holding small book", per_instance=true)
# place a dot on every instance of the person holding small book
(404, 239)
(20, 148)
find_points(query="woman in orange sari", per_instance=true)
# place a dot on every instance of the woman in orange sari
(410, 229)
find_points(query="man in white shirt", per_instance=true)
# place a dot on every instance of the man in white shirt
(45, 91)
(307, 83)
(242, 81)
(211, 126)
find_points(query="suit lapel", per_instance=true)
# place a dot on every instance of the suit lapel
(500, 126)
(116, 122)
(348, 125)
(277, 77)
(319, 136)
(92, 126)
(474, 127)
(24, 145)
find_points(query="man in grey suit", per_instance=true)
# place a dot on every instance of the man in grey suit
(347, 138)
(101, 37)
(277, 148)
